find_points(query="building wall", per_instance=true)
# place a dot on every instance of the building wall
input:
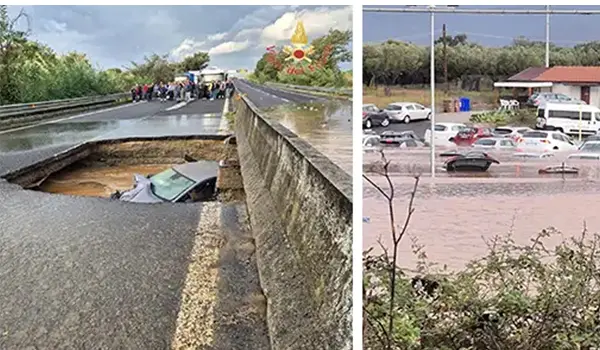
(569, 90)
(595, 96)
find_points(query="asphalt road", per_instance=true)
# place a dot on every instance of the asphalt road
(81, 272)
(24, 146)
(265, 97)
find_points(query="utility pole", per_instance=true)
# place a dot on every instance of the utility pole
(445, 58)
(547, 36)
(432, 83)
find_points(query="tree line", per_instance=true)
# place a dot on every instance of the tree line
(323, 69)
(403, 63)
(31, 71)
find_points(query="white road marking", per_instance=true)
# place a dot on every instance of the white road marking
(72, 117)
(194, 327)
(177, 106)
(224, 125)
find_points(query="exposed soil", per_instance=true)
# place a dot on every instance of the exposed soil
(79, 180)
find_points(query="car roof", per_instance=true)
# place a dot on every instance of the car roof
(369, 105)
(198, 171)
(402, 103)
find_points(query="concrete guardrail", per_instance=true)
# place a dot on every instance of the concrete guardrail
(300, 210)
(335, 91)
(26, 113)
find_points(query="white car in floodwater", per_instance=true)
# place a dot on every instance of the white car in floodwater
(539, 141)
(589, 150)
(443, 133)
(495, 144)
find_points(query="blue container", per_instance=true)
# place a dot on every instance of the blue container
(465, 104)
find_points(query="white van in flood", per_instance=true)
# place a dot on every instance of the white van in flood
(569, 118)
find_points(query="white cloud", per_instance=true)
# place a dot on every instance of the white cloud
(217, 36)
(248, 33)
(187, 48)
(316, 23)
(229, 47)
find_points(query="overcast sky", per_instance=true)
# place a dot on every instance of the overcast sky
(235, 36)
(491, 30)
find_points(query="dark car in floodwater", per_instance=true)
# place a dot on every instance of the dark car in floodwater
(470, 161)
(189, 182)
(373, 116)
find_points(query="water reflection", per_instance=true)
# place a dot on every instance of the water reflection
(326, 126)
(56, 134)
(63, 133)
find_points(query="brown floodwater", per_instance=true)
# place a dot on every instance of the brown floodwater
(97, 181)
(454, 217)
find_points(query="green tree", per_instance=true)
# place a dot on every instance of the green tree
(197, 61)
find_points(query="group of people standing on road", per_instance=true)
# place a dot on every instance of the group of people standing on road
(182, 91)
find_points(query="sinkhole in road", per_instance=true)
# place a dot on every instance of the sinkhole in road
(143, 171)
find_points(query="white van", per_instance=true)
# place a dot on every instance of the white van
(569, 118)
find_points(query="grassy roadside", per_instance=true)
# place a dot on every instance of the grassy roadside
(480, 100)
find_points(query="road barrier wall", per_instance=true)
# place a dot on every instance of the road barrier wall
(300, 209)
(17, 115)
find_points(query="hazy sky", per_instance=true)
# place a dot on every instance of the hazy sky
(235, 36)
(492, 30)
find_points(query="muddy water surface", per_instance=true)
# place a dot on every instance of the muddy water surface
(97, 181)
(455, 215)
(326, 126)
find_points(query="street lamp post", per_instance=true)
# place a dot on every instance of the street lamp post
(432, 83)
(547, 36)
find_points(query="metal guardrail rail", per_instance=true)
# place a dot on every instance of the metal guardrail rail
(24, 109)
(337, 91)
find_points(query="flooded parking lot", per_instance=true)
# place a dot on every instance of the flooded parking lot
(456, 213)
(326, 126)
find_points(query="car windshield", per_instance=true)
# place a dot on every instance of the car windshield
(591, 147)
(502, 131)
(169, 184)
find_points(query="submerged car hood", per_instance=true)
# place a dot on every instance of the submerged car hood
(141, 191)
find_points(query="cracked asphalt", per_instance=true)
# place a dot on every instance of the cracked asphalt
(89, 273)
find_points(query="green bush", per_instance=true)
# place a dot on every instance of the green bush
(522, 117)
(517, 297)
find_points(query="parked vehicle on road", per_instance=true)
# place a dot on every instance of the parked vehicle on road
(468, 135)
(407, 111)
(569, 118)
(546, 141)
(495, 144)
(373, 116)
(541, 98)
(443, 132)
(189, 182)
(470, 161)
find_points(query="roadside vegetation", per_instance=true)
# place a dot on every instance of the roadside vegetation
(472, 68)
(329, 51)
(31, 71)
(520, 117)
(522, 297)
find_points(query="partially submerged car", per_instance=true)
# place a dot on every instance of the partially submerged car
(559, 169)
(401, 139)
(470, 161)
(189, 182)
